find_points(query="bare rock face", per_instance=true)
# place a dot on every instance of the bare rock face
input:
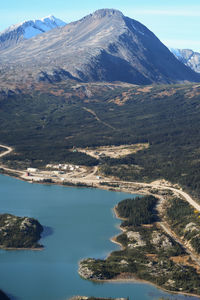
(103, 46)
(161, 241)
(85, 270)
(188, 57)
(135, 240)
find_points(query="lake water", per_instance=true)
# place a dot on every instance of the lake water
(82, 222)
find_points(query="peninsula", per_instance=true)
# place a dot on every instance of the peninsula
(150, 250)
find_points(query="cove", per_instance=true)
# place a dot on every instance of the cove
(82, 223)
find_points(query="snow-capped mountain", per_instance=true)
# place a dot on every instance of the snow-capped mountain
(28, 29)
(102, 46)
(188, 57)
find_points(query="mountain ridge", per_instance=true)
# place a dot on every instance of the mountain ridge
(103, 46)
(14, 34)
(189, 57)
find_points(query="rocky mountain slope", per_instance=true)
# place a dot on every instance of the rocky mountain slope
(103, 46)
(188, 57)
(26, 30)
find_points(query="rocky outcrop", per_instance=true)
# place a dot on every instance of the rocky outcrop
(84, 269)
(161, 241)
(135, 239)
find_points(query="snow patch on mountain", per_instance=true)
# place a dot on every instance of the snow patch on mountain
(176, 52)
(29, 29)
(188, 57)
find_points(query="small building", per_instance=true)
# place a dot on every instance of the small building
(32, 170)
(49, 166)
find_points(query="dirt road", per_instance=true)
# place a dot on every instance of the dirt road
(171, 233)
(91, 178)
(9, 149)
(97, 118)
(181, 193)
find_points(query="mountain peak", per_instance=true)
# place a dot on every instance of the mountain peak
(107, 12)
(54, 20)
(28, 29)
(188, 57)
(103, 46)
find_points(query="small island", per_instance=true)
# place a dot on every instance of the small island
(150, 251)
(19, 232)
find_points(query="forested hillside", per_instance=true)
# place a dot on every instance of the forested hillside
(46, 124)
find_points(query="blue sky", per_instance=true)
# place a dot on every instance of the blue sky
(176, 23)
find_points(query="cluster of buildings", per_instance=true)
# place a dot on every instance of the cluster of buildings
(63, 167)
(55, 169)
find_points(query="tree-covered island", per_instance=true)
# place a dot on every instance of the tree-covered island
(19, 232)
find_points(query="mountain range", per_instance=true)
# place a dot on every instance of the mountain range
(103, 46)
(188, 57)
(26, 30)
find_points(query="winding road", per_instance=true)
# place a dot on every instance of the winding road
(90, 178)
(9, 150)
(187, 197)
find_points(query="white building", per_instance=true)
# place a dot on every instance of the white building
(33, 170)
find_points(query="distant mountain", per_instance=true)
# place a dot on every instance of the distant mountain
(26, 30)
(103, 46)
(188, 57)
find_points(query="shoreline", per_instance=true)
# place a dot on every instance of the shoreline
(139, 188)
(142, 190)
(133, 278)
(142, 281)
(20, 249)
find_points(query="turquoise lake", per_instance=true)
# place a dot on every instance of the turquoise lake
(81, 223)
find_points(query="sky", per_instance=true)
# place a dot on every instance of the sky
(175, 22)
